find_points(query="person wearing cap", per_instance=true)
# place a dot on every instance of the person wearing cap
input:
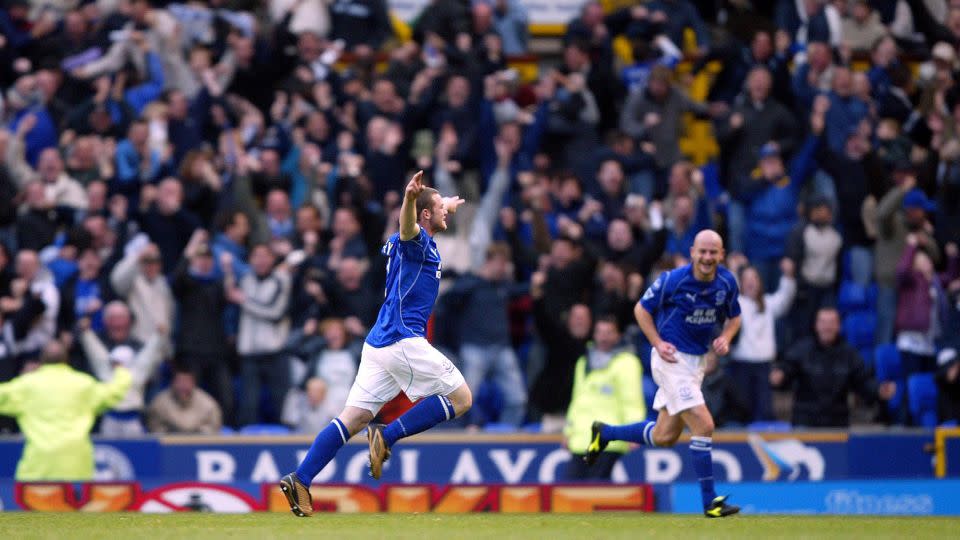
(901, 211)
(124, 419)
(770, 202)
(138, 279)
(56, 406)
(948, 385)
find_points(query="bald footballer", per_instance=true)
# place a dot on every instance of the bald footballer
(680, 315)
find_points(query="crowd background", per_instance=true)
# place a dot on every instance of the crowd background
(199, 191)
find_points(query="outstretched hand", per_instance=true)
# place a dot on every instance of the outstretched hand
(452, 203)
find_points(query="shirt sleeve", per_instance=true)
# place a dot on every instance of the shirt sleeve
(652, 299)
(414, 249)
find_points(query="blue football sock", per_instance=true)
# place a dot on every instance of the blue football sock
(421, 417)
(700, 450)
(640, 433)
(322, 450)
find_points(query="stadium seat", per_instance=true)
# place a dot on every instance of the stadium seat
(887, 364)
(265, 429)
(226, 430)
(853, 297)
(776, 426)
(859, 328)
(649, 391)
(532, 427)
(497, 427)
(950, 423)
(922, 397)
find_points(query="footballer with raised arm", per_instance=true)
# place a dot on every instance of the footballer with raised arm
(396, 356)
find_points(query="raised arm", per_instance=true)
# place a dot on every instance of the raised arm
(409, 228)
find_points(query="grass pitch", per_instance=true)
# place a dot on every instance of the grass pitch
(426, 526)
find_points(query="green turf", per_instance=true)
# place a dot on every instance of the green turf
(499, 526)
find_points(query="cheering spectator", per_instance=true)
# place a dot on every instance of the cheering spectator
(138, 279)
(481, 303)
(329, 375)
(124, 419)
(166, 222)
(922, 304)
(201, 343)
(55, 407)
(756, 346)
(262, 295)
(653, 114)
(814, 247)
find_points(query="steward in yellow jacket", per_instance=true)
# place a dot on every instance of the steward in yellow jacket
(56, 407)
(607, 386)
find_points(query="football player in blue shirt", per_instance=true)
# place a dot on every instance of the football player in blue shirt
(679, 314)
(396, 355)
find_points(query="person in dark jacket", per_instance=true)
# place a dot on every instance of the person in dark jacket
(756, 119)
(822, 370)
(167, 224)
(565, 342)
(948, 385)
(200, 342)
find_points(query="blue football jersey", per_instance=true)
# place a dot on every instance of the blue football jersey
(689, 313)
(413, 281)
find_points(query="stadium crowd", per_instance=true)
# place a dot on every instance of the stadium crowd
(199, 191)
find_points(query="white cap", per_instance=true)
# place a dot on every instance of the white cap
(122, 355)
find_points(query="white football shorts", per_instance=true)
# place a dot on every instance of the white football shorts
(679, 382)
(411, 366)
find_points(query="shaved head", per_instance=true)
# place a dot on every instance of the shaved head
(706, 254)
(708, 236)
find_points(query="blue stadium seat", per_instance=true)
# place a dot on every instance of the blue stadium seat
(859, 328)
(853, 297)
(532, 427)
(265, 429)
(776, 426)
(922, 397)
(497, 427)
(226, 430)
(649, 391)
(887, 363)
(949, 423)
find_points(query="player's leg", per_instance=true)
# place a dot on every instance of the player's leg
(431, 376)
(663, 432)
(700, 422)
(373, 387)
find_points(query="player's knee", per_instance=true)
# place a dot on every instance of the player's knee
(704, 429)
(665, 440)
(462, 400)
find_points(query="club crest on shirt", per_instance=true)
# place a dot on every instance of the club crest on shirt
(720, 297)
